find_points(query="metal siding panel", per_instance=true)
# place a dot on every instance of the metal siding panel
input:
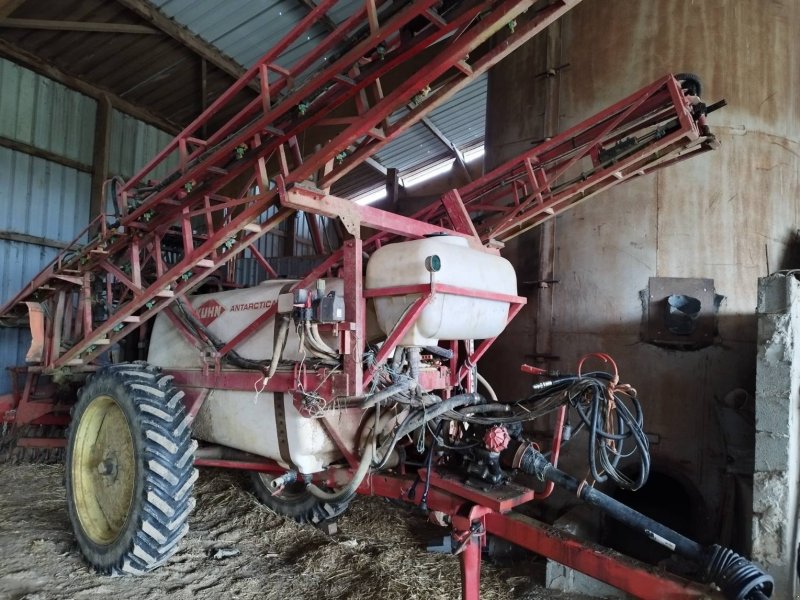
(133, 144)
(19, 263)
(40, 198)
(40, 112)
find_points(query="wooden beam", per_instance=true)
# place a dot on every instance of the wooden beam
(204, 92)
(78, 26)
(9, 6)
(196, 44)
(45, 154)
(13, 236)
(102, 142)
(392, 187)
(441, 136)
(35, 63)
(291, 233)
(371, 162)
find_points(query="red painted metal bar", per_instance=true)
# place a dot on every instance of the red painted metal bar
(355, 311)
(406, 322)
(256, 325)
(258, 466)
(306, 23)
(442, 93)
(555, 449)
(626, 119)
(324, 79)
(473, 358)
(601, 563)
(356, 215)
(470, 559)
(41, 442)
(443, 288)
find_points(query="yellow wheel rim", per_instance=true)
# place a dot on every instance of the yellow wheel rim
(103, 469)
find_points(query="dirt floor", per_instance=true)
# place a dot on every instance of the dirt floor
(378, 552)
(237, 548)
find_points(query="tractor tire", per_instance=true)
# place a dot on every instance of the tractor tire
(129, 469)
(296, 502)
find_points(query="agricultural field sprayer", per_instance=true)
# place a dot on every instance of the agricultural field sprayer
(359, 377)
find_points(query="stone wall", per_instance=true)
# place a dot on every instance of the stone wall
(775, 480)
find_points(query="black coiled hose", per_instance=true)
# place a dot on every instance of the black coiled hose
(610, 424)
(612, 415)
(737, 577)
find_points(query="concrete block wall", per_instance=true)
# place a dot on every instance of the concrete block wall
(777, 463)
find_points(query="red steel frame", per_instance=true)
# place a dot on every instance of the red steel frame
(238, 183)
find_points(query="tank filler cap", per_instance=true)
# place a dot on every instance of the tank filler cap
(433, 263)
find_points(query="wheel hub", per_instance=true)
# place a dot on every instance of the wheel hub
(103, 469)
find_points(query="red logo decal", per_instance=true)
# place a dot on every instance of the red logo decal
(209, 311)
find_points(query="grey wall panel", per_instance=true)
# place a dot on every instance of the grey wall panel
(39, 198)
(40, 112)
(133, 144)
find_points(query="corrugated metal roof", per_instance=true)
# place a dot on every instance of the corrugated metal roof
(160, 73)
(414, 147)
(463, 118)
(152, 71)
(244, 30)
(362, 178)
(40, 112)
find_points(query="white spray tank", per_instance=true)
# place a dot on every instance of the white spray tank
(447, 316)
(262, 423)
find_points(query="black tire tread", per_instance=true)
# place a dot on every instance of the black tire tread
(161, 510)
(306, 509)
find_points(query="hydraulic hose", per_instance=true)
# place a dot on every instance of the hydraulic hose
(737, 577)
(317, 338)
(349, 490)
(400, 387)
(486, 386)
(232, 356)
(420, 416)
(280, 344)
(314, 347)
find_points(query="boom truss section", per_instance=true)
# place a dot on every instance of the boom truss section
(655, 127)
(173, 233)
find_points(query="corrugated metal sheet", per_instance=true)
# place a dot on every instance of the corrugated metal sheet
(43, 199)
(153, 71)
(40, 112)
(242, 29)
(133, 144)
(462, 119)
(416, 146)
(362, 178)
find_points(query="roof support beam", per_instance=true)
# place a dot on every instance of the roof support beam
(430, 126)
(376, 166)
(35, 63)
(77, 26)
(18, 146)
(9, 6)
(197, 45)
